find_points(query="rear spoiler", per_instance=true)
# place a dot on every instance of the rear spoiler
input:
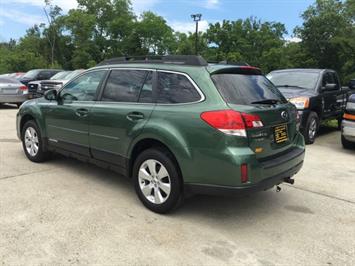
(244, 70)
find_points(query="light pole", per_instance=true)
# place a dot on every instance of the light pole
(196, 18)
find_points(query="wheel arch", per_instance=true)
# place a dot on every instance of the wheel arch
(146, 143)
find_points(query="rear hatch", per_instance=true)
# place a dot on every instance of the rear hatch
(246, 91)
(10, 86)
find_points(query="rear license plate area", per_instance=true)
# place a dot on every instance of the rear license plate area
(280, 133)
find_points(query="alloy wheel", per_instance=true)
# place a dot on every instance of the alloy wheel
(31, 141)
(154, 181)
(312, 129)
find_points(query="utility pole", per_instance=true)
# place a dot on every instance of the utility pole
(51, 30)
(196, 18)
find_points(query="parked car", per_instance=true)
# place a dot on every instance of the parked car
(12, 91)
(37, 88)
(38, 74)
(175, 126)
(317, 94)
(17, 75)
(348, 125)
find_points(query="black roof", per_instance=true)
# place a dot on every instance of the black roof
(191, 60)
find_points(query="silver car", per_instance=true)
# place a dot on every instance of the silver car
(348, 124)
(12, 91)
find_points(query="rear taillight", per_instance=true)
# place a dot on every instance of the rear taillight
(231, 122)
(24, 89)
(244, 173)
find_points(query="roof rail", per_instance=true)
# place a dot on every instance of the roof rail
(191, 60)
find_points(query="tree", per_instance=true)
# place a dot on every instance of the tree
(328, 35)
(155, 35)
(252, 41)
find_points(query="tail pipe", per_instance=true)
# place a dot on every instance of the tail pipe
(289, 180)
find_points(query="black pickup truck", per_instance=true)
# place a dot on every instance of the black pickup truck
(317, 94)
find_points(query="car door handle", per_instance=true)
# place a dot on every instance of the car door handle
(81, 112)
(134, 116)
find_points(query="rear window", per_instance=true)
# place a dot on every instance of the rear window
(9, 80)
(246, 89)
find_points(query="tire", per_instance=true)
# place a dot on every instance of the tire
(311, 129)
(348, 145)
(160, 171)
(340, 120)
(32, 143)
(18, 105)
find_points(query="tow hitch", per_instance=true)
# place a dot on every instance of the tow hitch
(286, 180)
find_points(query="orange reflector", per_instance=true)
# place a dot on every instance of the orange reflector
(349, 116)
(244, 173)
(258, 150)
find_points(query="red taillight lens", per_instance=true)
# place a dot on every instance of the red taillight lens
(231, 122)
(244, 173)
(23, 88)
(252, 121)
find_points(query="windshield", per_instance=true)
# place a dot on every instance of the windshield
(73, 74)
(247, 89)
(306, 80)
(60, 75)
(31, 74)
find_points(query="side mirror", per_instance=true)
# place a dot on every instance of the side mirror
(330, 87)
(51, 95)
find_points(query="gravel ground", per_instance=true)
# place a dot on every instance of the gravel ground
(67, 212)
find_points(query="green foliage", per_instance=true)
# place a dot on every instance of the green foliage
(100, 29)
(328, 35)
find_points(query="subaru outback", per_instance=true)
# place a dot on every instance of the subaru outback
(175, 125)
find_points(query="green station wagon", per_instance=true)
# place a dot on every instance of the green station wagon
(175, 125)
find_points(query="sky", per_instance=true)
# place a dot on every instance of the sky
(18, 15)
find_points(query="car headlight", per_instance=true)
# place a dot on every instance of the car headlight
(300, 102)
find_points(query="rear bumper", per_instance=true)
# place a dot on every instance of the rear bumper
(348, 130)
(13, 98)
(263, 185)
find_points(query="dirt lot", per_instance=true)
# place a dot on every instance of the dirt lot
(68, 212)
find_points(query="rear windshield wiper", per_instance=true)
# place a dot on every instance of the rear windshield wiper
(267, 101)
(290, 86)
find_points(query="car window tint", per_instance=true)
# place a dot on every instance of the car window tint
(46, 74)
(146, 94)
(245, 89)
(328, 78)
(176, 88)
(124, 85)
(83, 88)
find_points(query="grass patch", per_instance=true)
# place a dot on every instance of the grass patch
(330, 123)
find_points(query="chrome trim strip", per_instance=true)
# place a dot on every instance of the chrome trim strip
(69, 129)
(104, 136)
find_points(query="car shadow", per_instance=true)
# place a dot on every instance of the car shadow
(195, 207)
(8, 106)
(324, 130)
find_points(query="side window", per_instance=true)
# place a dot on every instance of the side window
(83, 88)
(335, 79)
(47, 74)
(176, 88)
(124, 85)
(328, 78)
